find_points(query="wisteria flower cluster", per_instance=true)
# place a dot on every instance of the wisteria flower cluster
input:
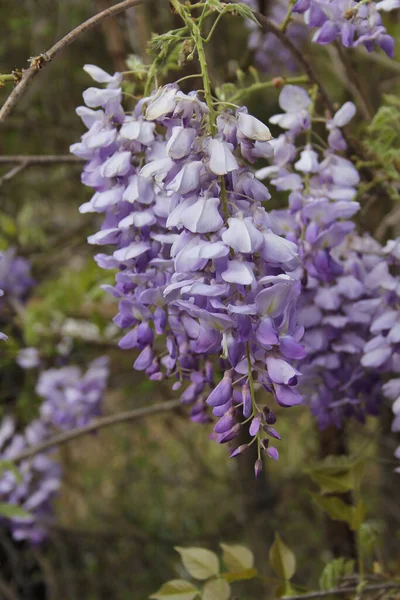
(349, 302)
(71, 399)
(15, 275)
(352, 23)
(199, 261)
(270, 54)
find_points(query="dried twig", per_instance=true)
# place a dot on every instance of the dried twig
(39, 62)
(123, 417)
(12, 172)
(268, 25)
(343, 591)
(39, 159)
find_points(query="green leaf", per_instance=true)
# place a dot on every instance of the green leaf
(8, 465)
(199, 562)
(334, 571)
(226, 91)
(358, 515)
(370, 534)
(337, 474)
(242, 10)
(237, 558)
(284, 589)
(341, 482)
(240, 575)
(336, 508)
(217, 589)
(176, 589)
(282, 559)
(12, 511)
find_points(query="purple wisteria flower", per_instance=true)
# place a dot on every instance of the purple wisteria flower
(270, 54)
(72, 398)
(15, 275)
(37, 484)
(349, 305)
(350, 22)
(28, 358)
(335, 264)
(200, 261)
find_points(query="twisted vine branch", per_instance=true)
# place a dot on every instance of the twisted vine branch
(39, 159)
(344, 591)
(123, 417)
(40, 62)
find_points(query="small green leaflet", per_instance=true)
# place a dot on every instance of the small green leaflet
(282, 559)
(12, 511)
(199, 562)
(176, 589)
(237, 558)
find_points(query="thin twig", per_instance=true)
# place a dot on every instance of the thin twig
(39, 159)
(296, 53)
(12, 172)
(123, 417)
(353, 83)
(343, 591)
(39, 62)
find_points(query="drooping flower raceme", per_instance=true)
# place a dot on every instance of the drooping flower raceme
(36, 485)
(15, 275)
(71, 399)
(270, 54)
(199, 260)
(350, 22)
(335, 264)
(347, 21)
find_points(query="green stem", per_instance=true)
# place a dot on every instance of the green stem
(262, 85)
(198, 40)
(250, 374)
(224, 199)
(7, 77)
(208, 38)
(152, 73)
(288, 16)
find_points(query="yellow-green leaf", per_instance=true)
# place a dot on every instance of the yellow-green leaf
(199, 562)
(216, 589)
(284, 589)
(336, 508)
(334, 571)
(8, 465)
(240, 575)
(237, 558)
(338, 482)
(176, 589)
(282, 559)
(358, 515)
(12, 511)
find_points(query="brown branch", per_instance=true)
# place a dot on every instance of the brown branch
(41, 61)
(296, 53)
(13, 172)
(343, 591)
(39, 159)
(123, 417)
